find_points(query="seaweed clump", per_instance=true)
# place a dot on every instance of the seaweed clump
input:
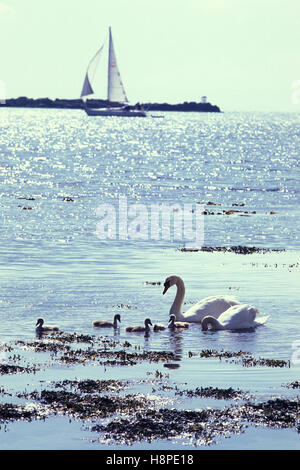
(90, 385)
(279, 413)
(86, 403)
(74, 338)
(239, 249)
(119, 357)
(13, 369)
(202, 425)
(44, 346)
(12, 412)
(213, 392)
(295, 384)
(243, 357)
(108, 354)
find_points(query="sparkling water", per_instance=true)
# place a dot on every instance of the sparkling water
(58, 167)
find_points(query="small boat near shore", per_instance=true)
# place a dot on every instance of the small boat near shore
(122, 111)
(115, 88)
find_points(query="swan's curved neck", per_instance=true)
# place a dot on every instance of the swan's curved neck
(176, 306)
(215, 324)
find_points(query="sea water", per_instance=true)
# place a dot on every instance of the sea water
(58, 167)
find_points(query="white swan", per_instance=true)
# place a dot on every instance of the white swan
(41, 328)
(213, 305)
(174, 325)
(237, 317)
(108, 324)
(139, 328)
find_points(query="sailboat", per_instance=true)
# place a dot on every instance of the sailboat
(115, 87)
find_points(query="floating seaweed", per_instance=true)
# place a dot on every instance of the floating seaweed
(13, 412)
(214, 392)
(134, 417)
(90, 385)
(295, 384)
(120, 357)
(41, 346)
(68, 199)
(13, 369)
(241, 250)
(243, 357)
(202, 426)
(86, 405)
(164, 423)
(74, 337)
(279, 413)
(27, 198)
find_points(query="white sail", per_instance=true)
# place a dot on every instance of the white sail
(91, 70)
(115, 88)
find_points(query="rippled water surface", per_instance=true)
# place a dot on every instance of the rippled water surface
(58, 166)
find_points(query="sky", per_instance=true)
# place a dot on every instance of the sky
(244, 55)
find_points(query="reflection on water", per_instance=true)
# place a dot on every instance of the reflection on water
(176, 344)
(56, 168)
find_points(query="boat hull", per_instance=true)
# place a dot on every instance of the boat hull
(115, 112)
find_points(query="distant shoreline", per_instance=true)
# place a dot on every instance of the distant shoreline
(24, 102)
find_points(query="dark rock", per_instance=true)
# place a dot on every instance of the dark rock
(25, 102)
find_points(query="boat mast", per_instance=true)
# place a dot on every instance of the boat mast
(108, 71)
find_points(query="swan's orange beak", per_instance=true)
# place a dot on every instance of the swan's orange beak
(166, 287)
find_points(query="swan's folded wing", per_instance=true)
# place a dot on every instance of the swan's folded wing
(228, 298)
(213, 305)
